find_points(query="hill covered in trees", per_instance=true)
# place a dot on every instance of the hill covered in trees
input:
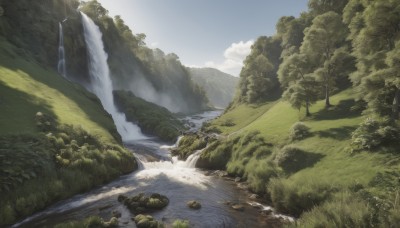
(314, 127)
(219, 86)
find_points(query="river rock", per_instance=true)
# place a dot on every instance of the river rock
(142, 203)
(221, 173)
(113, 223)
(238, 207)
(254, 196)
(116, 214)
(238, 179)
(193, 204)
(147, 221)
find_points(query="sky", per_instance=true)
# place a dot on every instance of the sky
(204, 33)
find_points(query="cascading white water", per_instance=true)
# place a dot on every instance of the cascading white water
(101, 84)
(61, 53)
(192, 159)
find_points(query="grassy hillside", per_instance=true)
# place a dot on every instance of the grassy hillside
(55, 138)
(219, 86)
(313, 175)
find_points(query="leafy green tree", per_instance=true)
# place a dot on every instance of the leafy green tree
(375, 33)
(321, 40)
(301, 89)
(318, 7)
(259, 82)
(258, 78)
(290, 30)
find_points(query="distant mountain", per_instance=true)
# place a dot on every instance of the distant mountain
(219, 86)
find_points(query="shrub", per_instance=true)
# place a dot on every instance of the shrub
(299, 131)
(373, 133)
(287, 155)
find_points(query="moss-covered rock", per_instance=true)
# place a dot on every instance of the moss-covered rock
(147, 221)
(143, 203)
(193, 204)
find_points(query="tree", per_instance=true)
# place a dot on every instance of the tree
(301, 89)
(318, 7)
(375, 32)
(258, 77)
(259, 82)
(290, 30)
(321, 40)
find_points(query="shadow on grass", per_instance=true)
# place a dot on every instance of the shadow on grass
(339, 111)
(86, 101)
(18, 110)
(301, 160)
(341, 133)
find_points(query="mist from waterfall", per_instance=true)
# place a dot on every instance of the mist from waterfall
(101, 84)
(61, 53)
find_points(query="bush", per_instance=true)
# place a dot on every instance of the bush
(299, 131)
(344, 210)
(373, 133)
(287, 155)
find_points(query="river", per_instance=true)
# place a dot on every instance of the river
(160, 173)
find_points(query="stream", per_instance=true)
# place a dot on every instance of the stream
(160, 173)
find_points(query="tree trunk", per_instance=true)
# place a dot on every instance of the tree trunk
(327, 102)
(307, 107)
(396, 105)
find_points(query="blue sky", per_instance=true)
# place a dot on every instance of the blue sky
(212, 33)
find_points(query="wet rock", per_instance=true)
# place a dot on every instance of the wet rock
(146, 221)
(243, 186)
(254, 196)
(116, 214)
(113, 223)
(142, 203)
(266, 211)
(238, 207)
(238, 179)
(221, 173)
(193, 204)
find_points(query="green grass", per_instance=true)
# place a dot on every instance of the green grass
(322, 164)
(240, 117)
(27, 88)
(70, 147)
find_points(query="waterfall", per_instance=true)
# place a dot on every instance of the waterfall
(101, 84)
(192, 159)
(61, 54)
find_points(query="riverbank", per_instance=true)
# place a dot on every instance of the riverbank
(308, 174)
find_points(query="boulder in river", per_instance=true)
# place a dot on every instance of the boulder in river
(147, 221)
(238, 207)
(193, 204)
(142, 203)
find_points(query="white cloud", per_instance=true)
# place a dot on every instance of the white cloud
(154, 44)
(233, 58)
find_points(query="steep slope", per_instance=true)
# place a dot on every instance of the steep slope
(55, 138)
(219, 86)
